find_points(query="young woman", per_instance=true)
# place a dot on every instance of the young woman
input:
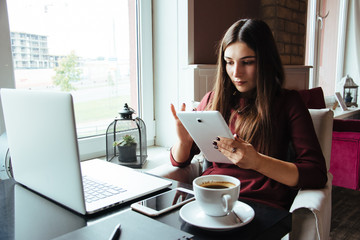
(266, 120)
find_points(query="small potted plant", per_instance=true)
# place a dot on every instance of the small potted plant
(127, 149)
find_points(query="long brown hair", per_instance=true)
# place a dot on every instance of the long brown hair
(254, 123)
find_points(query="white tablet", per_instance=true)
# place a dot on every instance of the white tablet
(204, 127)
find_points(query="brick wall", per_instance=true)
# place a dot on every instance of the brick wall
(287, 20)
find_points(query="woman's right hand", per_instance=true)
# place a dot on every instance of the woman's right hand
(181, 150)
(183, 135)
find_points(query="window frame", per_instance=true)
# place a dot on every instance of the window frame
(94, 146)
(313, 44)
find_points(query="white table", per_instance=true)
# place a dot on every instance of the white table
(350, 113)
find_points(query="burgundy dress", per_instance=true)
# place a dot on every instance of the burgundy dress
(292, 124)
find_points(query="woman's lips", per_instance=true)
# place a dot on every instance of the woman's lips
(239, 82)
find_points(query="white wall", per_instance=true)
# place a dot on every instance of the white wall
(171, 46)
(6, 64)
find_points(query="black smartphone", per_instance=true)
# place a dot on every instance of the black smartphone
(164, 202)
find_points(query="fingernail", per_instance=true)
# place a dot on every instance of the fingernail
(214, 143)
(216, 147)
(217, 138)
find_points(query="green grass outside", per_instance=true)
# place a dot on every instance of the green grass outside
(99, 109)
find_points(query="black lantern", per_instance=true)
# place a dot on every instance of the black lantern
(350, 92)
(126, 140)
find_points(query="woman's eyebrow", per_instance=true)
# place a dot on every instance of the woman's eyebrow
(246, 57)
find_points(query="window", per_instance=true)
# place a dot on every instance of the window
(327, 29)
(89, 48)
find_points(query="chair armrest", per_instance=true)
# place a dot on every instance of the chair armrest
(185, 175)
(311, 213)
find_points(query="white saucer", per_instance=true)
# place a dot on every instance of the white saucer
(193, 214)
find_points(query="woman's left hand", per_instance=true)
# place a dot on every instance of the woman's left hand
(240, 152)
(244, 155)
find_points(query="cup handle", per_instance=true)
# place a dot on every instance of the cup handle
(227, 203)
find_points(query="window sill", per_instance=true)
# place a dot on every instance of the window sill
(156, 156)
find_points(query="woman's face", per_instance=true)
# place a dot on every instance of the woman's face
(241, 66)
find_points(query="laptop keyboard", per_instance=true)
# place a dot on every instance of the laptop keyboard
(96, 190)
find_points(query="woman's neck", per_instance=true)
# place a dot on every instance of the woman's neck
(248, 95)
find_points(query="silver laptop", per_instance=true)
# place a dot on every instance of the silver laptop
(43, 144)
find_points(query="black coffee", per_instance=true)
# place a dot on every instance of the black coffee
(217, 185)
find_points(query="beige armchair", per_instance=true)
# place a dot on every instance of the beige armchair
(311, 209)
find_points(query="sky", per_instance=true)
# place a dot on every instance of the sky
(89, 27)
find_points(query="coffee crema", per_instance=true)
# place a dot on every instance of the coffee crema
(217, 185)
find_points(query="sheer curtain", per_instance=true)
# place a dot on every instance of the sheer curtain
(352, 50)
(6, 66)
(356, 9)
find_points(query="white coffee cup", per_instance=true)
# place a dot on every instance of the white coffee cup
(216, 194)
